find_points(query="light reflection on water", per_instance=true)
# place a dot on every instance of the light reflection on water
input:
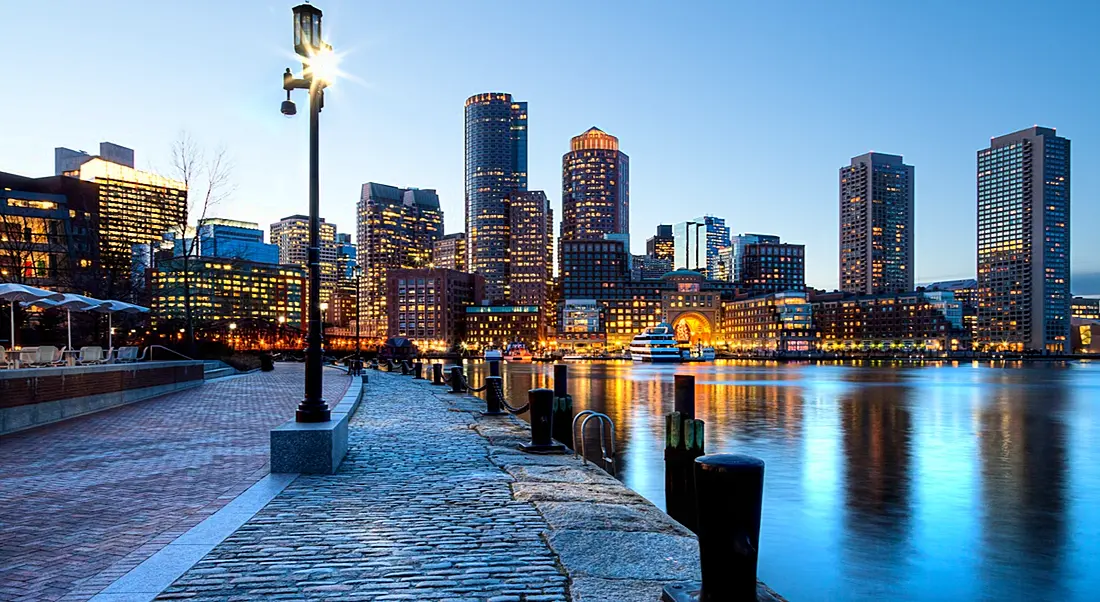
(885, 482)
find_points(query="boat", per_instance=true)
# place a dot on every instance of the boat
(517, 352)
(492, 354)
(655, 344)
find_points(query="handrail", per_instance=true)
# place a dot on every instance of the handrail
(579, 448)
(149, 350)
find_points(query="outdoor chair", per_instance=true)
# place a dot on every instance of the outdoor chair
(90, 355)
(127, 354)
(46, 355)
(4, 361)
(27, 356)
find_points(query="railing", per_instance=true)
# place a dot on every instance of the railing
(579, 448)
(149, 351)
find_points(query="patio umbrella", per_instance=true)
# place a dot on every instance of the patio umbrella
(11, 292)
(110, 308)
(69, 302)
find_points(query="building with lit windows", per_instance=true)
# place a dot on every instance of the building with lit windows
(233, 239)
(581, 327)
(641, 307)
(428, 305)
(532, 248)
(965, 292)
(876, 225)
(662, 245)
(772, 324)
(1085, 308)
(697, 244)
(398, 228)
(888, 323)
(773, 267)
(496, 167)
(593, 269)
(343, 309)
(732, 257)
(645, 267)
(449, 252)
(1024, 242)
(236, 290)
(595, 184)
(291, 234)
(499, 325)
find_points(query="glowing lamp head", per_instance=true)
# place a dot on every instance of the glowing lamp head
(307, 30)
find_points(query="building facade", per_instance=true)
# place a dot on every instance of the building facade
(1024, 242)
(449, 252)
(593, 269)
(965, 292)
(532, 248)
(774, 267)
(1085, 308)
(230, 291)
(428, 305)
(398, 228)
(772, 324)
(697, 244)
(888, 324)
(876, 225)
(662, 245)
(733, 257)
(496, 167)
(645, 267)
(499, 325)
(595, 184)
(291, 235)
(233, 239)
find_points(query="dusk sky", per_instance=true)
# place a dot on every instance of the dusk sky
(744, 110)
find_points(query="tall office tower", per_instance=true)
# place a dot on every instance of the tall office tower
(398, 228)
(697, 243)
(876, 225)
(774, 267)
(135, 207)
(232, 239)
(532, 248)
(1023, 242)
(595, 187)
(734, 257)
(342, 309)
(662, 245)
(449, 252)
(292, 235)
(496, 167)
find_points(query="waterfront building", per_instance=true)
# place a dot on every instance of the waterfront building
(343, 309)
(771, 324)
(887, 323)
(645, 267)
(966, 293)
(662, 245)
(690, 307)
(876, 225)
(291, 235)
(428, 305)
(398, 228)
(532, 248)
(449, 252)
(697, 242)
(496, 167)
(1085, 335)
(1085, 308)
(1024, 242)
(593, 269)
(499, 325)
(581, 327)
(233, 239)
(595, 184)
(769, 267)
(642, 307)
(951, 308)
(230, 291)
(733, 255)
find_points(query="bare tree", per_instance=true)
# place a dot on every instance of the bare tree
(208, 178)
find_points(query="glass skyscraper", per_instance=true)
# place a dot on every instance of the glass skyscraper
(876, 225)
(1023, 242)
(496, 166)
(697, 244)
(595, 187)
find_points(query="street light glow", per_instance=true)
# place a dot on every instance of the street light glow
(323, 65)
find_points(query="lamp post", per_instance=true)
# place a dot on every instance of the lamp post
(315, 53)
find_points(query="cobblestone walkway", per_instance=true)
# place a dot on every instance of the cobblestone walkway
(417, 512)
(85, 500)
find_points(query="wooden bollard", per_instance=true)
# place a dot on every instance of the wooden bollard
(563, 406)
(684, 442)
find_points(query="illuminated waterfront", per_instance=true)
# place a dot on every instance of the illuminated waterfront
(886, 482)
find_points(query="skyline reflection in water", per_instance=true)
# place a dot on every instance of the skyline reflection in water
(934, 482)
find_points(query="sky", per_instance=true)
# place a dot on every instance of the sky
(744, 110)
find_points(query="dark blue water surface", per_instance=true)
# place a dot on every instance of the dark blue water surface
(885, 482)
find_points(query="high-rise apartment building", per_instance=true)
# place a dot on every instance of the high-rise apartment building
(343, 307)
(496, 167)
(291, 234)
(398, 228)
(1024, 242)
(595, 185)
(662, 245)
(733, 257)
(697, 244)
(532, 247)
(774, 267)
(233, 239)
(449, 252)
(876, 225)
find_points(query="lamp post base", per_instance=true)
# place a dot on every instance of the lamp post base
(313, 413)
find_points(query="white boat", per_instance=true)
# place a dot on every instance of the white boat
(655, 344)
(708, 354)
(517, 352)
(492, 354)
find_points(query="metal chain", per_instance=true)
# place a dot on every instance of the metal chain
(504, 401)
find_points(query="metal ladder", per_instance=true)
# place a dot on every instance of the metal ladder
(578, 447)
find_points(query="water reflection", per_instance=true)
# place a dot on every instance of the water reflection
(885, 482)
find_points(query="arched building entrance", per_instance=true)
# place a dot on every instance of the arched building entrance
(693, 328)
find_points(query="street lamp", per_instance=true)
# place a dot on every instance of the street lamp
(317, 61)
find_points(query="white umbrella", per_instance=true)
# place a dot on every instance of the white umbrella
(9, 291)
(109, 308)
(69, 302)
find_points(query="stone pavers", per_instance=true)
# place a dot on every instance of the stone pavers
(85, 500)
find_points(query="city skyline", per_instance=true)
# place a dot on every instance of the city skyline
(945, 117)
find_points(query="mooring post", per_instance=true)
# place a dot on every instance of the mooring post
(541, 402)
(437, 374)
(683, 444)
(494, 367)
(563, 406)
(418, 370)
(457, 386)
(730, 492)
(494, 389)
(405, 368)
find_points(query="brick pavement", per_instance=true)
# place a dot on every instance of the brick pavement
(85, 500)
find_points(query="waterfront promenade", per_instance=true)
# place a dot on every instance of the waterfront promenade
(85, 500)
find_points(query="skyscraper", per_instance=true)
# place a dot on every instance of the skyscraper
(876, 225)
(532, 247)
(449, 252)
(397, 229)
(595, 185)
(697, 244)
(292, 235)
(496, 167)
(1023, 242)
(662, 245)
